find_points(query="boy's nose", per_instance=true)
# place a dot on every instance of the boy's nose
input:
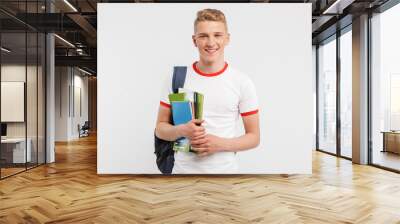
(211, 41)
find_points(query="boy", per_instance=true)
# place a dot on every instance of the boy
(228, 94)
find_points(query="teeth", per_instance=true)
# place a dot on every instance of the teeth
(211, 50)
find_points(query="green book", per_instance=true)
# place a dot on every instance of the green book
(198, 102)
(176, 97)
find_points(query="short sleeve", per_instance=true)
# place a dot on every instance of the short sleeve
(165, 91)
(248, 103)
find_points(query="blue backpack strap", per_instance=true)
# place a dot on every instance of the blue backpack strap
(178, 79)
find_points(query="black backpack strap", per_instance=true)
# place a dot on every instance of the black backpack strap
(178, 79)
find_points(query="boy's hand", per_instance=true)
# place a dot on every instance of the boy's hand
(207, 145)
(192, 129)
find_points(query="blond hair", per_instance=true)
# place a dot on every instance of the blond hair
(210, 15)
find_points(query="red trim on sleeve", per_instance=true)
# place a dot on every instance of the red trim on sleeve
(165, 104)
(197, 70)
(249, 113)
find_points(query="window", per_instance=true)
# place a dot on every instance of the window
(346, 93)
(327, 96)
(385, 89)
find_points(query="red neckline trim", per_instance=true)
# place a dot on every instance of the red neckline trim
(209, 74)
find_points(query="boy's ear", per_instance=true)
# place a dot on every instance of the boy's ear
(194, 40)
(228, 38)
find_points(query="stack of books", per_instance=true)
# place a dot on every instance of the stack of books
(186, 105)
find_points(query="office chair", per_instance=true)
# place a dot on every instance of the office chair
(84, 130)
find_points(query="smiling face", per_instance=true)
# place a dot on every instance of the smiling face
(210, 38)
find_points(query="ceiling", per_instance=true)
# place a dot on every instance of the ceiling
(76, 22)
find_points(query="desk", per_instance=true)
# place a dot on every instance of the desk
(15, 148)
(391, 141)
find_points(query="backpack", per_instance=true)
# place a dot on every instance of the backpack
(164, 149)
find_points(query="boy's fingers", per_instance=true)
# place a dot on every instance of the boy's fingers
(197, 132)
(197, 121)
(199, 141)
(194, 121)
(200, 129)
(199, 149)
(196, 146)
(199, 136)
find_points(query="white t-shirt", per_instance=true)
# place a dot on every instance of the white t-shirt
(228, 94)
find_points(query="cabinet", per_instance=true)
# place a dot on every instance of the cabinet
(391, 141)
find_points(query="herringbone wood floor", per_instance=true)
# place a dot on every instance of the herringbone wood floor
(70, 191)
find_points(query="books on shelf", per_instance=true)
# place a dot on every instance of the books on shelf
(186, 105)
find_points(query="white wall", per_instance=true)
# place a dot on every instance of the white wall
(80, 84)
(61, 103)
(68, 81)
(266, 43)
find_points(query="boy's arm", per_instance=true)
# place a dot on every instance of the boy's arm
(249, 140)
(169, 132)
(164, 129)
(211, 143)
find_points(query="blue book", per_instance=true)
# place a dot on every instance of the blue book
(181, 114)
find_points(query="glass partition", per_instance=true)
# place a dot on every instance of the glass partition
(34, 51)
(327, 96)
(32, 95)
(22, 63)
(41, 107)
(385, 89)
(13, 110)
(346, 94)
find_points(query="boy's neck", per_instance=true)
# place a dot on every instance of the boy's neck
(211, 67)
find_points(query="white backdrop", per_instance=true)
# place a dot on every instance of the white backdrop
(138, 44)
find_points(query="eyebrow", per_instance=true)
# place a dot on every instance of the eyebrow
(211, 33)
